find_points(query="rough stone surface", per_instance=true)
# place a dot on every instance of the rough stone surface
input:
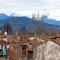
(47, 51)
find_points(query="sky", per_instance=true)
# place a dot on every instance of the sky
(29, 7)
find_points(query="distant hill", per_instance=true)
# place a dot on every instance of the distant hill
(3, 16)
(29, 23)
(50, 21)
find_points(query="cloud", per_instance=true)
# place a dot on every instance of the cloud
(26, 7)
(30, 4)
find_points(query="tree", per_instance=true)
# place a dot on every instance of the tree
(40, 29)
(23, 29)
(7, 28)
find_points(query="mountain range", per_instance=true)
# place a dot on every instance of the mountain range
(29, 23)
